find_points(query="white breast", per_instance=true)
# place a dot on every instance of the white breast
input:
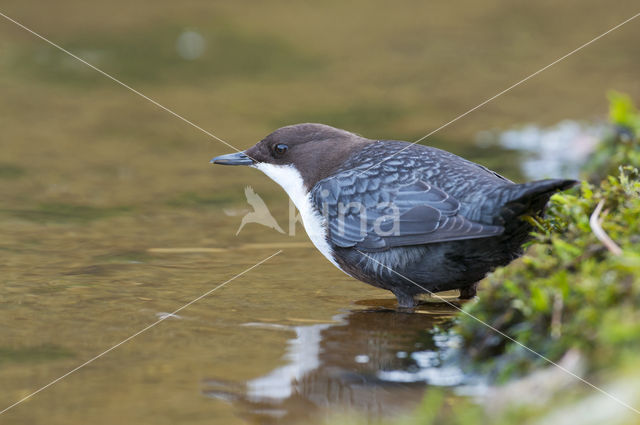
(314, 224)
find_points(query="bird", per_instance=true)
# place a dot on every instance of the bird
(260, 213)
(408, 218)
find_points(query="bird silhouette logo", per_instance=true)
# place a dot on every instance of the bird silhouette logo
(259, 215)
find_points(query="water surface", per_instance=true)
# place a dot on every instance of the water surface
(111, 217)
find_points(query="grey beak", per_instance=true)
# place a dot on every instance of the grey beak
(238, 158)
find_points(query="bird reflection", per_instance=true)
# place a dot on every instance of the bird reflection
(375, 361)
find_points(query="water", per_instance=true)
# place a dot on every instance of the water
(373, 361)
(557, 151)
(111, 217)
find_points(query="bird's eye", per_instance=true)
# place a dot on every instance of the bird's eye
(280, 149)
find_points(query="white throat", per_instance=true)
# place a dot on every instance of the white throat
(291, 181)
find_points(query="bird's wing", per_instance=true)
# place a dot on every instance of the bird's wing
(376, 211)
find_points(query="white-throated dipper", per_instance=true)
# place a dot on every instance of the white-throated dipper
(404, 217)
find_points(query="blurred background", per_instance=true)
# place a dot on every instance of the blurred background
(111, 216)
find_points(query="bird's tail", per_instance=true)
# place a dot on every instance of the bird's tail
(528, 198)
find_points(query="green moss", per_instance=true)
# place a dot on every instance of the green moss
(569, 289)
(568, 292)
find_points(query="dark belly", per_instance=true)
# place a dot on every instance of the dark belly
(435, 267)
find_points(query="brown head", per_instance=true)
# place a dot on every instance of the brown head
(314, 150)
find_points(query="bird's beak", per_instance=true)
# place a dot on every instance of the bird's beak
(238, 158)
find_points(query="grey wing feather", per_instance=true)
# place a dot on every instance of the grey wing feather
(366, 213)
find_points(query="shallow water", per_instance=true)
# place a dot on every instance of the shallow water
(111, 218)
(373, 361)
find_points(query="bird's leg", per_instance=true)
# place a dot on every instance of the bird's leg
(468, 292)
(405, 300)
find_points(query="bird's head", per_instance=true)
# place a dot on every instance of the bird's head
(312, 150)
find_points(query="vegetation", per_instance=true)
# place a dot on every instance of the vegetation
(570, 292)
